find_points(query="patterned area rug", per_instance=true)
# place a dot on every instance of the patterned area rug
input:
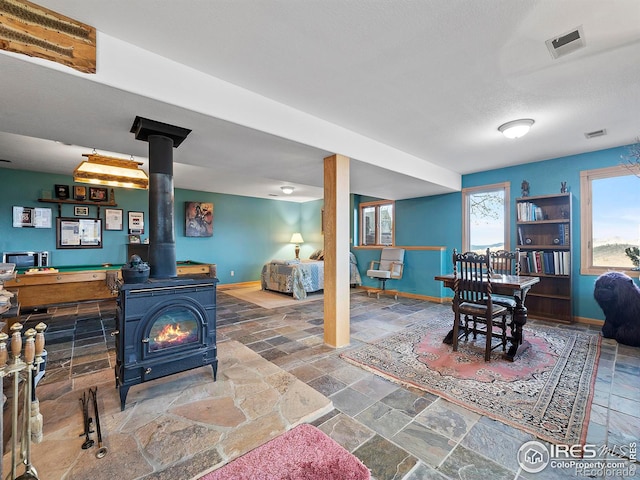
(547, 391)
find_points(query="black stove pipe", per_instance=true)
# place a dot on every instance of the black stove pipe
(162, 241)
(162, 139)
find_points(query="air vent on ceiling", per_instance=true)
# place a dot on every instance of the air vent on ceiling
(596, 133)
(566, 43)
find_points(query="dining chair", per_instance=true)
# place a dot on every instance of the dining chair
(504, 262)
(473, 305)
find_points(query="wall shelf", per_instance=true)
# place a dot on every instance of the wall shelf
(89, 203)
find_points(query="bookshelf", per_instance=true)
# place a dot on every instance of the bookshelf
(544, 237)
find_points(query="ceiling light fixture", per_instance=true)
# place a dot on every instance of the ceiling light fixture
(516, 128)
(287, 189)
(114, 172)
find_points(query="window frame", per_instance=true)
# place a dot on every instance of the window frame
(466, 226)
(377, 204)
(586, 216)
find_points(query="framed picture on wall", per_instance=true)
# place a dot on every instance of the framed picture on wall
(136, 223)
(78, 233)
(97, 194)
(80, 192)
(81, 211)
(112, 219)
(198, 219)
(23, 216)
(62, 192)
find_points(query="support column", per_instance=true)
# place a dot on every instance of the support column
(336, 251)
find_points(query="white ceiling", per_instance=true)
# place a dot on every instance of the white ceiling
(412, 90)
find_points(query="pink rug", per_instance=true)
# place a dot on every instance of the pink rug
(303, 452)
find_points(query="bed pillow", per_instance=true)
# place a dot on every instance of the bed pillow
(314, 255)
(320, 255)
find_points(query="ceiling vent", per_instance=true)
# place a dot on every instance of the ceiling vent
(596, 133)
(566, 43)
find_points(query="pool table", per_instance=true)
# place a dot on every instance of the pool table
(83, 282)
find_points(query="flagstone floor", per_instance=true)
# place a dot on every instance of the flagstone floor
(398, 432)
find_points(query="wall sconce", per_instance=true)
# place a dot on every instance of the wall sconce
(516, 128)
(287, 189)
(297, 239)
(111, 171)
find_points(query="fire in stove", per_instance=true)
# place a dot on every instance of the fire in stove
(167, 333)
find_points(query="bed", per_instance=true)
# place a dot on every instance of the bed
(299, 277)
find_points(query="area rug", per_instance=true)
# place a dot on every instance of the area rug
(267, 299)
(303, 452)
(547, 391)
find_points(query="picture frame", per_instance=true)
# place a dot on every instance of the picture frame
(31, 217)
(79, 211)
(98, 194)
(113, 219)
(198, 219)
(74, 233)
(23, 217)
(136, 223)
(61, 192)
(79, 192)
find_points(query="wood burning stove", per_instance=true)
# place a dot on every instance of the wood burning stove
(166, 324)
(165, 327)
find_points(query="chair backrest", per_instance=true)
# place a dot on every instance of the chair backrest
(504, 262)
(472, 282)
(392, 260)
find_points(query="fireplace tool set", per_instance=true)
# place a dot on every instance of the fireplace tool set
(88, 422)
(33, 349)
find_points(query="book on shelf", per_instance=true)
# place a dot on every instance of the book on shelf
(520, 242)
(556, 262)
(529, 212)
(563, 234)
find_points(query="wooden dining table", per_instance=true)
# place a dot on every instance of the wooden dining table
(516, 286)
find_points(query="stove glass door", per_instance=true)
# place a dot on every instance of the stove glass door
(176, 326)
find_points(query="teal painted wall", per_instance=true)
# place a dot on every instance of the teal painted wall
(544, 178)
(423, 221)
(247, 232)
(437, 221)
(310, 228)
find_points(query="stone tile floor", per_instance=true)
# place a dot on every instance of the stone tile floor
(398, 432)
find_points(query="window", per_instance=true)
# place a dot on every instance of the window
(376, 223)
(610, 218)
(485, 213)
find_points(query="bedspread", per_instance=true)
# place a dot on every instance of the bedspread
(296, 278)
(299, 277)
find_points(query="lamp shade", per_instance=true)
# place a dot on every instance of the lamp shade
(296, 238)
(516, 128)
(111, 171)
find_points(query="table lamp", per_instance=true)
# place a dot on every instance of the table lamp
(297, 239)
